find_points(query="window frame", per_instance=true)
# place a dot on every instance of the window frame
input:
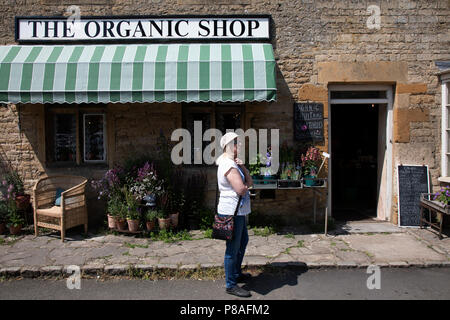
(212, 108)
(79, 111)
(445, 129)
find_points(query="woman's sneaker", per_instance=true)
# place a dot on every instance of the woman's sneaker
(238, 291)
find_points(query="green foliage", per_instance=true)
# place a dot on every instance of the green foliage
(205, 217)
(115, 204)
(443, 195)
(151, 215)
(168, 236)
(263, 232)
(15, 219)
(289, 236)
(3, 211)
(161, 214)
(131, 205)
(255, 168)
(208, 233)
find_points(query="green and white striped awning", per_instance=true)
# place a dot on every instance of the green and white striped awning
(137, 73)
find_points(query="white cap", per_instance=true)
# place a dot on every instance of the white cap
(227, 138)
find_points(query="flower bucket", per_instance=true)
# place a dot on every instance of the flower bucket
(15, 230)
(309, 181)
(174, 219)
(164, 224)
(111, 222)
(133, 225)
(121, 224)
(268, 178)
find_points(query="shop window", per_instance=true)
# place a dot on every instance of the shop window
(212, 115)
(75, 136)
(94, 138)
(445, 128)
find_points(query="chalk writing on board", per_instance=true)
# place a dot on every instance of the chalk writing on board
(308, 121)
(412, 181)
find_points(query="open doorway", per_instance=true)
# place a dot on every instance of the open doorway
(360, 144)
(354, 143)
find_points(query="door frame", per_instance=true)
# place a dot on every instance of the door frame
(389, 132)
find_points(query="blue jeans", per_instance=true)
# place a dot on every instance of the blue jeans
(234, 253)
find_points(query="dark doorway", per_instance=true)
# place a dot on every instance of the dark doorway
(354, 147)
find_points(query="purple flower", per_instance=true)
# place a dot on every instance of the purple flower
(304, 127)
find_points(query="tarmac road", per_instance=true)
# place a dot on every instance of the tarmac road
(395, 283)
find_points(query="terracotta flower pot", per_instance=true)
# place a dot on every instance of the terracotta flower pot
(164, 224)
(2, 228)
(174, 219)
(15, 230)
(150, 225)
(112, 224)
(133, 225)
(23, 201)
(121, 224)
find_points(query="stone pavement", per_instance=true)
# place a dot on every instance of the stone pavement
(348, 246)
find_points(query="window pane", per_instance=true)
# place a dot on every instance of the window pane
(228, 120)
(205, 119)
(94, 143)
(65, 137)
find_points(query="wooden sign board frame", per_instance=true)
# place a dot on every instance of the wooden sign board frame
(398, 190)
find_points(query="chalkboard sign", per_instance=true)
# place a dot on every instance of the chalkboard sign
(308, 122)
(412, 181)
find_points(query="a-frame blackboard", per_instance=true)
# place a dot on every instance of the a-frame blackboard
(412, 180)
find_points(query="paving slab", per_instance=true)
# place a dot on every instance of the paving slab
(396, 247)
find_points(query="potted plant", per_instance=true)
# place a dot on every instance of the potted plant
(442, 198)
(150, 218)
(121, 218)
(255, 168)
(267, 170)
(3, 216)
(283, 183)
(133, 214)
(163, 220)
(113, 209)
(176, 204)
(16, 222)
(310, 165)
(15, 184)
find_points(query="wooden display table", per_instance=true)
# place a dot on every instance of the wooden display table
(432, 206)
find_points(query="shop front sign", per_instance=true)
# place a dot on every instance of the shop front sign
(142, 28)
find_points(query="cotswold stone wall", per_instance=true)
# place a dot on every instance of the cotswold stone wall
(316, 43)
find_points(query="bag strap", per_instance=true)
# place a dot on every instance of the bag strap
(237, 207)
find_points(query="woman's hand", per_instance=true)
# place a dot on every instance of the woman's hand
(239, 162)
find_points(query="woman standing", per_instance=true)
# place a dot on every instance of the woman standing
(234, 181)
